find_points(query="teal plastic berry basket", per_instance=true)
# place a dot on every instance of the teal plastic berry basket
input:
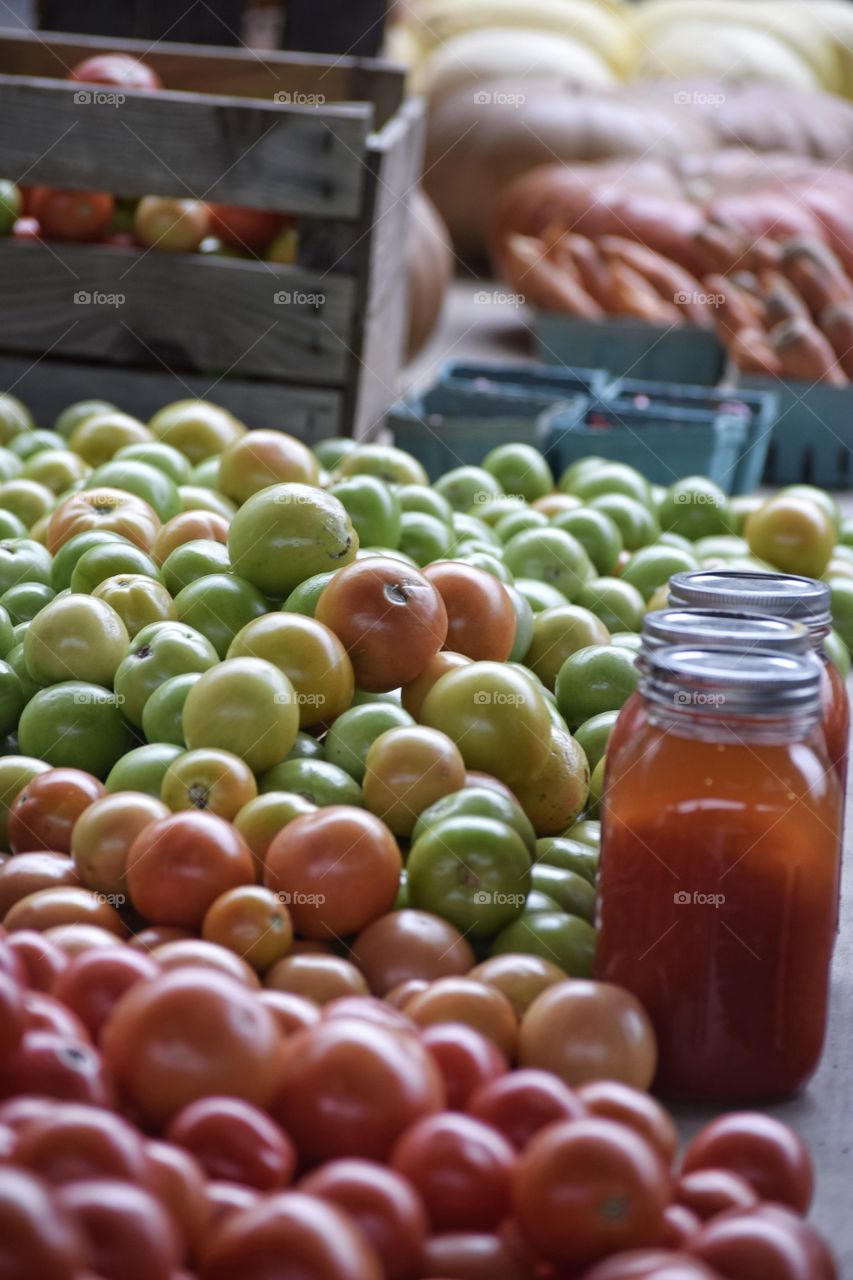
(446, 427)
(664, 444)
(529, 381)
(759, 407)
(628, 348)
(812, 440)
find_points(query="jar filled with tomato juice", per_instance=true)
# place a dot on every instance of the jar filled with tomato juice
(720, 862)
(780, 595)
(703, 628)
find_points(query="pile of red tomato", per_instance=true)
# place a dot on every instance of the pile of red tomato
(166, 224)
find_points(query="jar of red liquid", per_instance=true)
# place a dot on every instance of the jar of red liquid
(719, 870)
(705, 628)
(781, 595)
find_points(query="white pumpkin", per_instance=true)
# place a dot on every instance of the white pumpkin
(498, 53)
(712, 51)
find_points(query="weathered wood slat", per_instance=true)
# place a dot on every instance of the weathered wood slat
(48, 386)
(199, 68)
(302, 159)
(129, 307)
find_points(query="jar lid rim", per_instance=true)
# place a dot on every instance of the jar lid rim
(784, 595)
(729, 628)
(732, 681)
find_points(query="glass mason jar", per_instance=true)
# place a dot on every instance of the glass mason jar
(705, 628)
(720, 861)
(780, 595)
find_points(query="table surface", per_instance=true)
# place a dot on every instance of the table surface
(495, 329)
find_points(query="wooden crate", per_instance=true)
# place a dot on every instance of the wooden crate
(313, 348)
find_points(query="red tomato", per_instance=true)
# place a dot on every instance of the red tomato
(39, 1239)
(73, 1142)
(461, 1169)
(680, 1225)
(129, 1234)
(765, 1243)
(523, 1102)
(250, 229)
(94, 982)
(613, 1100)
(467, 1255)
(481, 617)
(764, 1151)
(13, 1016)
(369, 1008)
(350, 1088)
(16, 1113)
(189, 1034)
(466, 1059)
(651, 1264)
(316, 1239)
(225, 1198)
(72, 215)
(291, 1012)
(235, 1142)
(586, 1188)
(382, 1204)
(409, 944)
(46, 1013)
(707, 1192)
(118, 69)
(29, 872)
(42, 959)
(178, 1182)
(59, 1067)
(42, 816)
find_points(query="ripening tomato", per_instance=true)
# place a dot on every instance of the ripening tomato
(412, 695)
(309, 654)
(188, 526)
(43, 814)
(249, 229)
(520, 1103)
(93, 982)
(235, 1141)
(315, 976)
(291, 1012)
(480, 614)
(210, 781)
(251, 921)
(171, 224)
(196, 953)
(64, 904)
(586, 1188)
(103, 508)
(30, 872)
(104, 832)
(180, 865)
(472, 1003)
(466, 1059)
(460, 1167)
(71, 215)
(407, 770)
(42, 959)
(406, 945)
(262, 458)
(389, 617)
(187, 1035)
(350, 1087)
(521, 978)
(116, 69)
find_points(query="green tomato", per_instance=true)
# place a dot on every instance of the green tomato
(477, 802)
(838, 652)
(10, 205)
(539, 595)
(466, 487)
(820, 497)
(563, 939)
(246, 706)
(425, 538)
(156, 654)
(219, 605)
(552, 556)
(15, 772)
(573, 892)
(488, 563)
(306, 748)
(492, 510)
(557, 632)
(26, 500)
(15, 417)
(627, 640)
(56, 469)
(841, 595)
(696, 508)
(523, 624)
(723, 546)
(76, 725)
(11, 528)
(138, 600)
(354, 732)
(587, 831)
(472, 871)
(29, 443)
(518, 522)
(470, 528)
(520, 469)
(23, 560)
(143, 769)
(636, 523)
(598, 534)
(162, 715)
(366, 697)
(600, 678)
(618, 604)
(331, 453)
(18, 662)
(72, 417)
(373, 508)
(417, 497)
(108, 559)
(156, 454)
(608, 478)
(594, 734)
(10, 465)
(12, 700)
(652, 567)
(316, 780)
(206, 473)
(670, 539)
(194, 498)
(572, 855)
(75, 637)
(23, 601)
(303, 599)
(7, 638)
(741, 508)
(70, 552)
(193, 560)
(142, 479)
(596, 788)
(382, 460)
(287, 533)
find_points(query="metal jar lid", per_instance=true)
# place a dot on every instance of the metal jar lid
(782, 595)
(732, 682)
(709, 627)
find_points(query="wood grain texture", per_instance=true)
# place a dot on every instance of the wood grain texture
(205, 69)
(394, 163)
(48, 386)
(301, 159)
(210, 316)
